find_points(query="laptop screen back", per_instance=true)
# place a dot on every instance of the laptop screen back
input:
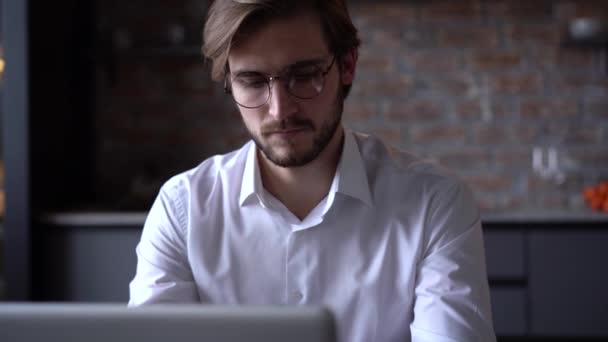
(163, 323)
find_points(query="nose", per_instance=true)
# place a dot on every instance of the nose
(281, 103)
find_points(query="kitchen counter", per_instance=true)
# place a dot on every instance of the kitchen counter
(137, 219)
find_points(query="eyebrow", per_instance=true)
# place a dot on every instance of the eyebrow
(298, 64)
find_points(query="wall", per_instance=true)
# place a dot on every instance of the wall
(474, 84)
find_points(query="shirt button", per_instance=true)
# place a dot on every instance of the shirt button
(297, 295)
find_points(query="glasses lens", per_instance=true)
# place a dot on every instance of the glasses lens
(250, 92)
(306, 85)
(253, 91)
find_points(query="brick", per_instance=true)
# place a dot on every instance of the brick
(453, 85)
(477, 92)
(564, 11)
(438, 135)
(469, 111)
(571, 84)
(553, 201)
(489, 182)
(385, 38)
(524, 84)
(519, 9)
(597, 89)
(575, 58)
(501, 109)
(419, 111)
(448, 9)
(512, 159)
(540, 58)
(360, 110)
(490, 135)
(392, 136)
(597, 108)
(591, 8)
(382, 87)
(534, 34)
(433, 61)
(496, 60)
(375, 14)
(563, 60)
(489, 203)
(420, 36)
(524, 133)
(483, 108)
(466, 158)
(546, 194)
(585, 135)
(372, 63)
(548, 108)
(592, 158)
(463, 37)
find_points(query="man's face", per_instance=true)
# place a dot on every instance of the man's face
(288, 130)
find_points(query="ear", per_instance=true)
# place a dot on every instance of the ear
(349, 64)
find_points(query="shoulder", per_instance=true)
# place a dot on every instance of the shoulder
(403, 168)
(213, 171)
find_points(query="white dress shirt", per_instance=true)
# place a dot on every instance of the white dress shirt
(394, 250)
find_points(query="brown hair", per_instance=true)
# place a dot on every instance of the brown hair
(231, 20)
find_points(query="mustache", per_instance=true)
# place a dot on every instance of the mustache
(289, 123)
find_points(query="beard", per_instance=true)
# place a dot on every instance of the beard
(294, 157)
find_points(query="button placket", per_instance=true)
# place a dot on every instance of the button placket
(294, 270)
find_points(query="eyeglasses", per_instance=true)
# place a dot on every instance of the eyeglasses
(253, 90)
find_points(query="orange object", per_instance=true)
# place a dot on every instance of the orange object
(602, 189)
(597, 204)
(597, 196)
(589, 193)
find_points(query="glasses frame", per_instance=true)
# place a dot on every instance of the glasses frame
(270, 79)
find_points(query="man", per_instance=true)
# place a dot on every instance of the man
(309, 212)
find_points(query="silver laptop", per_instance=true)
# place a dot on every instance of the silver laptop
(163, 323)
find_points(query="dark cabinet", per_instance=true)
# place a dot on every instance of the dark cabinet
(548, 279)
(568, 283)
(506, 266)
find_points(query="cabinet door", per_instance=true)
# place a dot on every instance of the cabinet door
(568, 283)
(505, 254)
(507, 275)
(90, 264)
(509, 311)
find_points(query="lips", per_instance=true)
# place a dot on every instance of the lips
(287, 127)
(289, 130)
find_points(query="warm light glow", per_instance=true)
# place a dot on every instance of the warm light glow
(1, 65)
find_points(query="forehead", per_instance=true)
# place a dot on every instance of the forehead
(279, 43)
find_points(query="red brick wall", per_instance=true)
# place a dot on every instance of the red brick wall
(475, 84)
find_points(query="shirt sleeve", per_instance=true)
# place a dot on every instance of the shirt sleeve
(163, 273)
(452, 293)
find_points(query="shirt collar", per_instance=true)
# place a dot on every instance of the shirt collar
(252, 181)
(351, 175)
(350, 178)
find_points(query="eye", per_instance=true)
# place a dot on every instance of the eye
(305, 74)
(251, 81)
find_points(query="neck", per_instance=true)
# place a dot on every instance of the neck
(301, 188)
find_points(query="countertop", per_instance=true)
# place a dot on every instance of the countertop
(136, 219)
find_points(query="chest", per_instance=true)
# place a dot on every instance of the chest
(265, 260)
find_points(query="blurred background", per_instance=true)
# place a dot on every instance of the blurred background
(103, 101)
